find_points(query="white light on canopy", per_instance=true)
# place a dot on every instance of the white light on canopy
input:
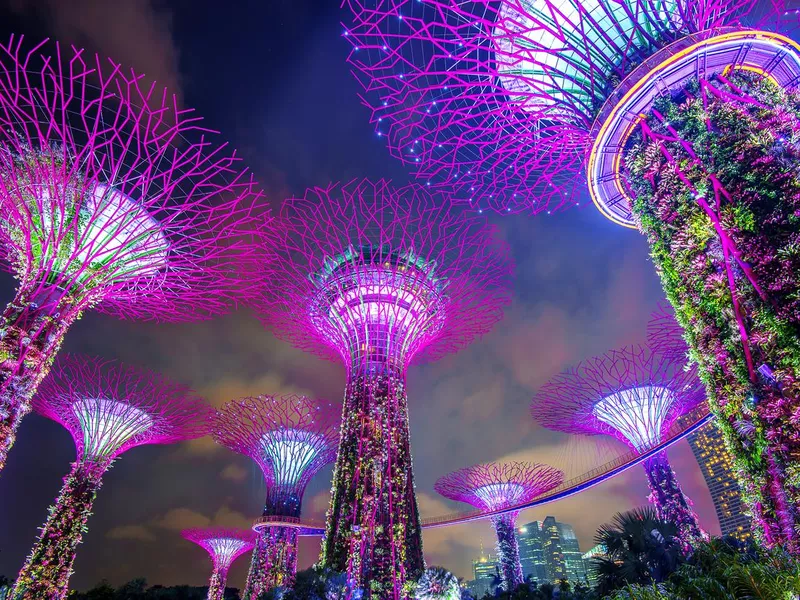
(225, 549)
(499, 495)
(541, 51)
(107, 424)
(120, 230)
(637, 413)
(291, 451)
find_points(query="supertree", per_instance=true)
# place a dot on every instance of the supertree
(109, 408)
(379, 277)
(224, 546)
(111, 197)
(498, 486)
(437, 583)
(686, 116)
(635, 396)
(291, 438)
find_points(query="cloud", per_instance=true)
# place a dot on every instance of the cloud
(234, 472)
(139, 533)
(135, 33)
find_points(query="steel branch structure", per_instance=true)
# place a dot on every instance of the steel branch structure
(495, 486)
(635, 396)
(379, 277)
(111, 197)
(108, 408)
(685, 117)
(224, 546)
(291, 438)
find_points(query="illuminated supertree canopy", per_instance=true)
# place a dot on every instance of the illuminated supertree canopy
(224, 546)
(684, 116)
(498, 486)
(635, 396)
(380, 277)
(291, 438)
(108, 408)
(111, 197)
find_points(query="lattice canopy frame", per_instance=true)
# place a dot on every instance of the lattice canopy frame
(108, 408)
(496, 486)
(224, 546)
(111, 197)
(380, 277)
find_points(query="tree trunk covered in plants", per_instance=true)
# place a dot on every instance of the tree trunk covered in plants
(47, 571)
(32, 328)
(374, 531)
(508, 551)
(714, 173)
(216, 585)
(274, 562)
(670, 502)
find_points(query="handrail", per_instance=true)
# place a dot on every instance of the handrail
(679, 430)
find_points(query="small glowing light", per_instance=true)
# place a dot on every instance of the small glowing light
(108, 424)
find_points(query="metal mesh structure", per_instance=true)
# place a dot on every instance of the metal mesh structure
(224, 546)
(685, 116)
(496, 100)
(496, 486)
(380, 277)
(291, 438)
(635, 396)
(109, 408)
(665, 334)
(111, 197)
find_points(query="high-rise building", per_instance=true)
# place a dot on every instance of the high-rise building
(484, 572)
(591, 575)
(573, 557)
(531, 552)
(553, 554)
(717, 466)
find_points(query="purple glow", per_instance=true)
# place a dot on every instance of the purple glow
(380, 277)
(290, 452)
(496, 101)
(631, 394)
(637, 413)
(110, 407)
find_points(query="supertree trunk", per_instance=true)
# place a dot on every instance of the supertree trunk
(669, 501)
(508, 551)
(274, 562)
(47, 571)
(373, 531)
(216, 585)
(717, 192)
(31, 331)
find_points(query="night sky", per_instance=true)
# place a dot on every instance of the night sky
(272, 77)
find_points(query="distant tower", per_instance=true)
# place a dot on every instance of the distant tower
(635, 396)
(531, 551)
(112, 197)
(224, 546)
(108, 408)
(378, 278)
(573, 557)
(553, 554)
(497, 486)
(716, 464)
(291, 438)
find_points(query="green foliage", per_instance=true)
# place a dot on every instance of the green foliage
(640, 549)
